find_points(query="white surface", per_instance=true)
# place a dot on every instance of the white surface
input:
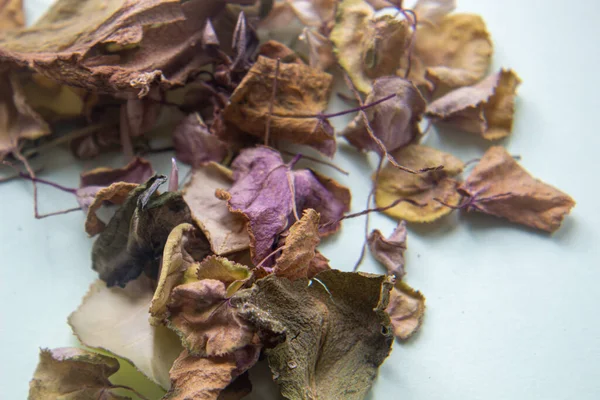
(512, 314)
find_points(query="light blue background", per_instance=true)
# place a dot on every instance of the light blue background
(512, 314)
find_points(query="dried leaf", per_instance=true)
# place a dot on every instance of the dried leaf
(74, 374)
(134, 238)
(301, 91)
(195, 144)
(176, 260)
(209, 378)
(318, 264)
(300, 247)
(390, 252)
(232, 274)
(116, 320)
(115, 46)
(11, 14)
(207, 324)
(368, 46)
(18, 121)
(262, 193)
(276, 50)
(431, 11)
(116, 194)
(453, 52)
(314, 13)
(395, 121)
(486, 109)
(336, 332)
(422, 188)
(320, 49)
(499, 186)
(225, 231)
(406, 309)
(53, 101)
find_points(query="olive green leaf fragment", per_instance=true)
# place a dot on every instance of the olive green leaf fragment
(335, 331)
(72, 373)
(134, 238)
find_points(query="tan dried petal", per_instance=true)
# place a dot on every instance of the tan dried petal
(485, 109)
(431, 11)
(499, 186)
(455, 51)
(301, 91)
(225, 231)
(276, 50)
(422, 188)
(406, 309)
(11, 14)
(320, 49)
(390, 251)
(368, 47)
(116, 193)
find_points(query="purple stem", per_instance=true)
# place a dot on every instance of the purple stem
(54, 185)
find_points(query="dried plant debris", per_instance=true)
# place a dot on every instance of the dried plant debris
(368, 46)
(340, 315)
(499, 186)
(422, 189)
(75, 374)
(393, 119)
(301, 96)
(195, 286)
(390, 251)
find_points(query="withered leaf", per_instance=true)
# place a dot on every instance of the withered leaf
(18, 120)
(431, 11)
(486, 109)
(421, 188)
(395, 121)
(134, 238)
(390, 252)
(262, 193)
(225, 231)
(406, 309)
(115, 46)
(301, 91)
(277, 50)
(207, 324)
(368, 46)
(320, 49)
(313, 13)
(195, 144)
(300, 247)
(176, 260)
(455, 51)
(116, 194)
(74, 374)
(209, 378)
(499, 186)
(336, 332)
(116, 320)
(11, 14)
(231, 273)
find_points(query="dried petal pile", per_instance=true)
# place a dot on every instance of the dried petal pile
(195, 285)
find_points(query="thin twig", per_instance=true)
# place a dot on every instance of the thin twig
(289, 153)
(271, 103)
(269, 256)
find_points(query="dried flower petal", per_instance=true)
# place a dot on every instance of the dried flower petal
(423, 188)
(395, 121)
(195, 144)
(276, 50)
(320, 49)
(116, 193)
(431, 11)
(406, 309)
(486, 109)
(11, 14)
(338, 317)
(301, 91)
(225, 231)
(137, 171)
(75, 374)
(116, 320)
(368, 46)
(232, 274)
(499, 186)
(390, 252)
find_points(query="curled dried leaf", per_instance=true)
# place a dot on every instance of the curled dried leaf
(116, 193)
(232, 274)
(486, 109)
(406, 309)
(11, 14)
(423, 188)
(499, 186)
(73, 373)
(301, 96)
(368, 46)
(276, 50)
(394, 121)
(390, 252)
(225, 231)
(320, 49)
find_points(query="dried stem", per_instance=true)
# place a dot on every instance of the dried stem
(271, 103)
(268, 256)
(290, 180)
(289, 153)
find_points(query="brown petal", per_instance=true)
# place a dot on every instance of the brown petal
(11, 14)
(406, 309)
(390, 252)
(486, 109)
(116, 193)
(499, 186)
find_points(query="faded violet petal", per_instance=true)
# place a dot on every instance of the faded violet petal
(195, 144)
(395, 121)
(390, 252)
